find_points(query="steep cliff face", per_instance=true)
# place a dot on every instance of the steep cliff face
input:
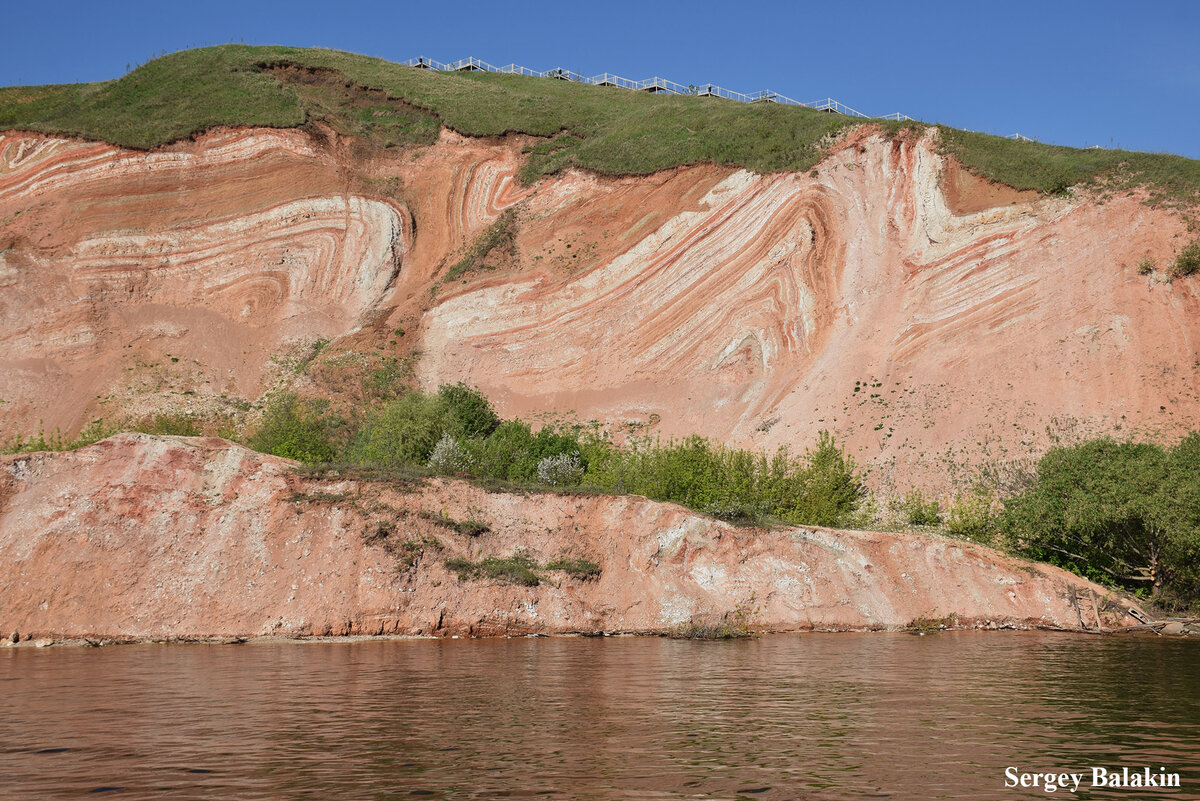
(886, 296)
(148, 537)
(922, 315)
(134, 279)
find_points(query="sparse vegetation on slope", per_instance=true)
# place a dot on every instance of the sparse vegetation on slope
(605, 129)
(1187, 262)
(498, 240)
(1052, 169)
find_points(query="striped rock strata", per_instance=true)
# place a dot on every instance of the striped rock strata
(926, 317)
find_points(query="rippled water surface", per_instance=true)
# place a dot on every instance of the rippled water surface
(819, 716)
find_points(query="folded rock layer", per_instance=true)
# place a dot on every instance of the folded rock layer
(924, 316)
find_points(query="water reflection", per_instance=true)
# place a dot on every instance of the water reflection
(821, 716)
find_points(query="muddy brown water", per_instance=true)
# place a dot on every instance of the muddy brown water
(782, 717)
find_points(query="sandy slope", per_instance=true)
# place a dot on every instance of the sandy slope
(139, 536)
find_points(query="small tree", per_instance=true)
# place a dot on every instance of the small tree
(403, 432)
(449, 458)
(832, 490)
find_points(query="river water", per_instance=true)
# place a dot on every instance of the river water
(782, 717)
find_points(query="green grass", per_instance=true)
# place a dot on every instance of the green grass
(576, 568)
(520, 568)
(497, 239)
(471, 527)
(608, 130)
(1051, 169)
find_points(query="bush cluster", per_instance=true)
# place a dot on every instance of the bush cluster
(820, 487)
(520, 568)
(300, 429)
(455, 431)
(1124, 513)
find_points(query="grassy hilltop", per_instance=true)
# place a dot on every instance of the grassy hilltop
(608, 130)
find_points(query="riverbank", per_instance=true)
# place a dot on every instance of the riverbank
(168, 538)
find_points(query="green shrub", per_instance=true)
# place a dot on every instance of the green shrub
(973, 516)
(300, 429)
(513, 450)
(821, 488)
(1122, 512)
(520, 568)
(582, 569)
(919, 512)
(402, 432)
(457, 432)
(466, 411)
(92, 433)
(832, 489)
(500, 454)
(471, 527)
(179, 425)
(1187, 262)
(1176, 514)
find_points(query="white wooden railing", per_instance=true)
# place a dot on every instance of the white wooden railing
(655, 84)
(659, 85)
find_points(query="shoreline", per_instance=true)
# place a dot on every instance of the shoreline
(38, 641)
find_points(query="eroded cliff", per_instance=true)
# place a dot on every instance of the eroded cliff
(922, 315)
(153, 537)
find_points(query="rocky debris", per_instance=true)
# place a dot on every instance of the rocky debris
(142, 537)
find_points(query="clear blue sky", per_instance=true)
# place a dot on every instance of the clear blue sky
(1076, 73)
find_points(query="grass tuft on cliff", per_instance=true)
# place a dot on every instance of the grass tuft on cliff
(608, 130)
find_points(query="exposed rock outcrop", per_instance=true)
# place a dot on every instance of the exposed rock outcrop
(860, 297)
(151, 537)
(922, 315)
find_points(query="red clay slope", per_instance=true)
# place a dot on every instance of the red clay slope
(145, 537)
